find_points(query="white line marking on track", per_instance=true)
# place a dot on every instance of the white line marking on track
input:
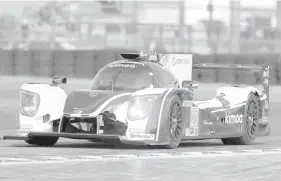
(90, 158)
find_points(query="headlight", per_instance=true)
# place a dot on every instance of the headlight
(139, 107)
(29, 103)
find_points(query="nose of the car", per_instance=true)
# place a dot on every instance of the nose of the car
(85, 101)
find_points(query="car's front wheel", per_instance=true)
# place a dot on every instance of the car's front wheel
(42, 141)
(174, 122)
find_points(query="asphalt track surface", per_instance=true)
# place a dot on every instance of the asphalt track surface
(82, 160)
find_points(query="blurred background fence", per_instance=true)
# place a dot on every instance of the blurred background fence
(86, 63)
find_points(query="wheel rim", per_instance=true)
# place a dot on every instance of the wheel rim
(176, 123)
(252, 119)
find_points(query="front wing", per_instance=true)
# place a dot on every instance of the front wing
(95, 137)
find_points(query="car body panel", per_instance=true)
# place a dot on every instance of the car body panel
(128, 101)
(52, 100)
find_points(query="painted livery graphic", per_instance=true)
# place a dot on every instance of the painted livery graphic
(225, 103)
(145, 99)
(233, 118)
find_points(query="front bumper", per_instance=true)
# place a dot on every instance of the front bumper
(95, 137)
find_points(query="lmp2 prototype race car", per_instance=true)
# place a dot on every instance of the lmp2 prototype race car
(145, 99)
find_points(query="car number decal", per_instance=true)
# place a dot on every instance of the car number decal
(194, 119)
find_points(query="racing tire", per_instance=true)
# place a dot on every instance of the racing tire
(174, 124)
(250, 126)
(42, 141)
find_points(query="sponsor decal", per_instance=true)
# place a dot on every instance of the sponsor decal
(93, 94)
(140, 136)
(173, 60)
(122, 66)
(233, 119)
(176, 61)
(23, 131)
(206, 122)
(24, 128)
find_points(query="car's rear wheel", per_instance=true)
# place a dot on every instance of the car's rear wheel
(250, 126)
(42, 141)
(174, 122)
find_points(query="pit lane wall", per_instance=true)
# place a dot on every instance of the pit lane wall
(85, 64)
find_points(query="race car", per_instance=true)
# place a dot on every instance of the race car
(145, 99)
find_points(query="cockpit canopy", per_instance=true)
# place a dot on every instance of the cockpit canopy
(124, 76)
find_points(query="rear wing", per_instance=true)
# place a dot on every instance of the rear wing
(240, 67)
(263, 69)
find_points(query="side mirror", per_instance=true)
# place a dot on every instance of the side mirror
(56, 80)
(191, 85)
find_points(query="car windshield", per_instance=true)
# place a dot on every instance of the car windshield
(122, 80)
